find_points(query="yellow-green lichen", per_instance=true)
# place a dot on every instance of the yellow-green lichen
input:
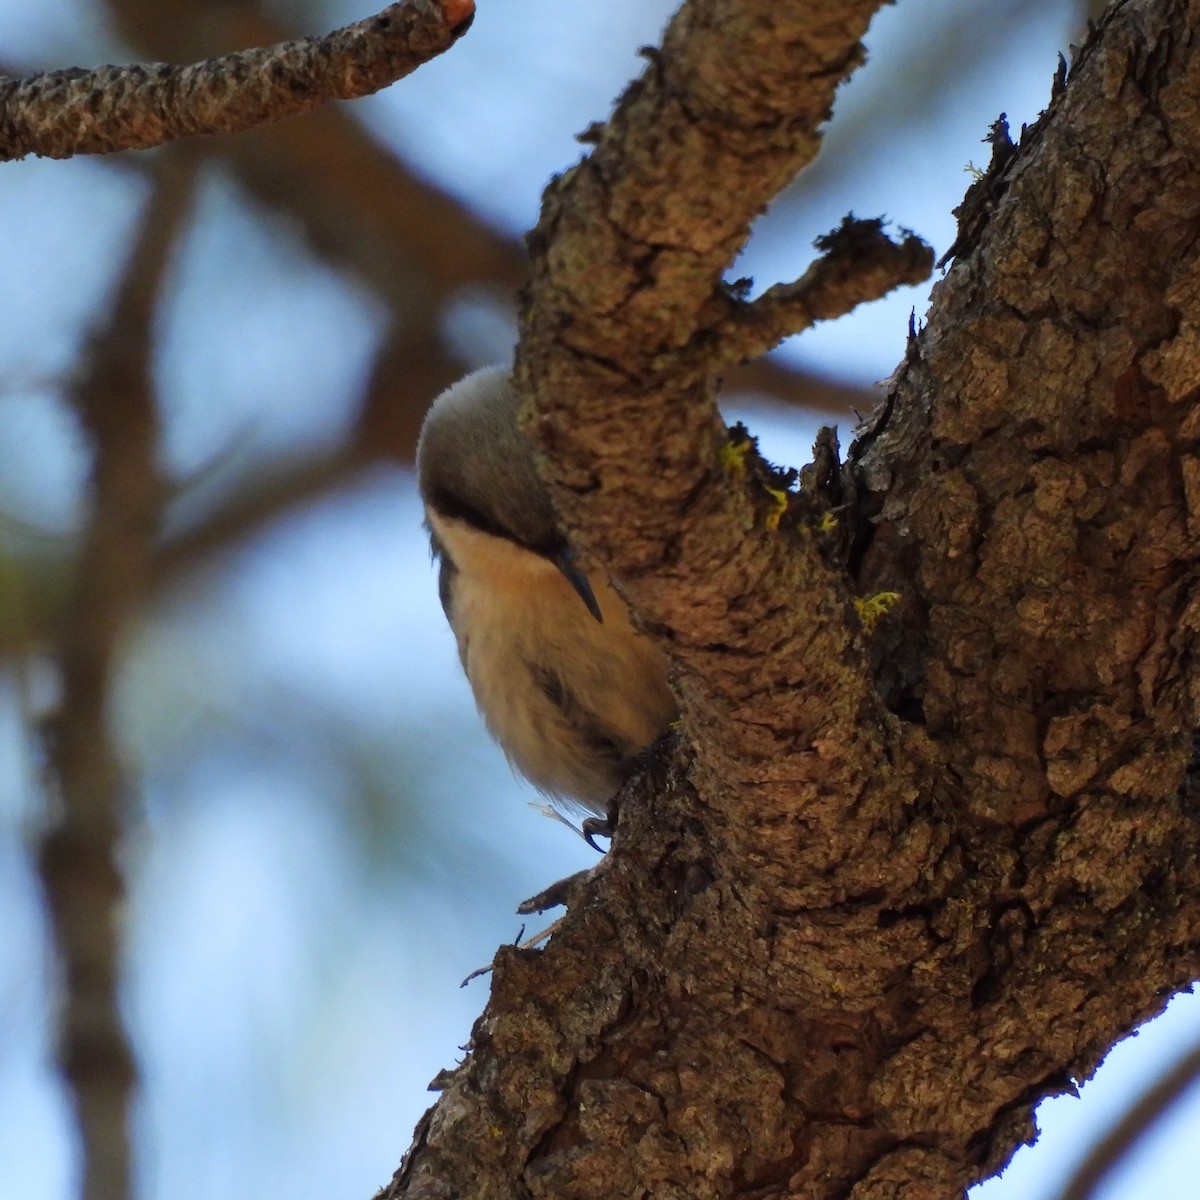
(871, 608)
(735, 451)
(779, 503)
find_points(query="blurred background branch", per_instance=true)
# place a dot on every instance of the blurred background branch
(80, 854)
(1147, 1110)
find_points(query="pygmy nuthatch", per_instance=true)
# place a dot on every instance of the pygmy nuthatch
(566, 685)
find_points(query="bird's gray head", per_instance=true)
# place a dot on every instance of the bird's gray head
(475, 465)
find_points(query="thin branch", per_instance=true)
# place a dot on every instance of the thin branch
(107, 109)
(79, 857)
(859, 263)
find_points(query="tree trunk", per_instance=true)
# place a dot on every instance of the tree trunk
(908, 866)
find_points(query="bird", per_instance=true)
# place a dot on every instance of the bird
(567, 685)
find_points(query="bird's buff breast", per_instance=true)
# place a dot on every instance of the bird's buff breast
(569, 699)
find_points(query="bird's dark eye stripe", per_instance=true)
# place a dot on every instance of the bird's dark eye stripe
(448, 505)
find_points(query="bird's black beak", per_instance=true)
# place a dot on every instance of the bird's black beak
(565, 562)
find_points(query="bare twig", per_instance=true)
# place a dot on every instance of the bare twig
(79, 865)
(859, 262)
(107, 109)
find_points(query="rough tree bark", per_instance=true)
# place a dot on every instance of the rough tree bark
(58, 114)
(899, 876)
